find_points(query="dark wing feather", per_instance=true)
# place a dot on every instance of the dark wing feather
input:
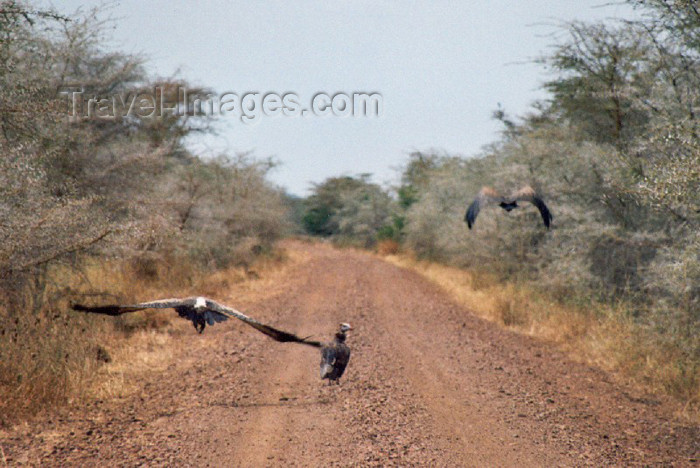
(274, 333)
(544, 211)
(472, 211)
(327, 361)
(334, 360)
(213, 317)
(111, 309)
(528, 194)
(187, 312)
(328, 355)
(486, 195)
(341, 359)
(282, 336)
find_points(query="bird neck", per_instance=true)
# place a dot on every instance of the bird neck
(340, 337)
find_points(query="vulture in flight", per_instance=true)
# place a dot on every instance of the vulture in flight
(487, 196)
(203, 311)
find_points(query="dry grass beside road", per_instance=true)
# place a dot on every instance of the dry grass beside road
(55, 355)
(429, 384)
(599, 336)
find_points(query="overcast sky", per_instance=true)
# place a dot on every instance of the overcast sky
(441, 68)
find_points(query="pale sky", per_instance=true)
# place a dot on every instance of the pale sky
(441, 67)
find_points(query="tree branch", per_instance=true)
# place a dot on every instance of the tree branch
(54, 255)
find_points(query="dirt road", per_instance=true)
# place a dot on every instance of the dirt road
(428, 385)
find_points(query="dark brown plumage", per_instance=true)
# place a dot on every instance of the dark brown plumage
(335, 356)
(487, 196)
(203, 311)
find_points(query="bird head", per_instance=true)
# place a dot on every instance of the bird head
(200, 303)
(345, 327)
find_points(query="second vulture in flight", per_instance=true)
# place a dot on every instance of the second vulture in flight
(487, 196)
(203, 311)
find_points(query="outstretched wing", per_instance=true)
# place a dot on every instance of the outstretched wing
(544, 211)
(485, 196)
(165, 303)
(528, 194)
(272, 332)
(212, 312)
(185, 308)
(111, 309)
(116, 309)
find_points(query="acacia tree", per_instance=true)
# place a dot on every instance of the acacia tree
(225, 209)
(637, 86)
(323, 204)
(73, 184)
(349, 209)
(601, 75)
(671, 149)
(76, 190)
(615, 151)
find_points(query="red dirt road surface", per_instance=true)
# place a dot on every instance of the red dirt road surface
(428, 384)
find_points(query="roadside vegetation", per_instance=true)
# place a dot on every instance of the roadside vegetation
(118, 209)
(615, 152)
(102, 209)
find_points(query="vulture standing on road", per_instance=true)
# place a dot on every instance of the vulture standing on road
(335, 355)
(203, 311)
(487, 195)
